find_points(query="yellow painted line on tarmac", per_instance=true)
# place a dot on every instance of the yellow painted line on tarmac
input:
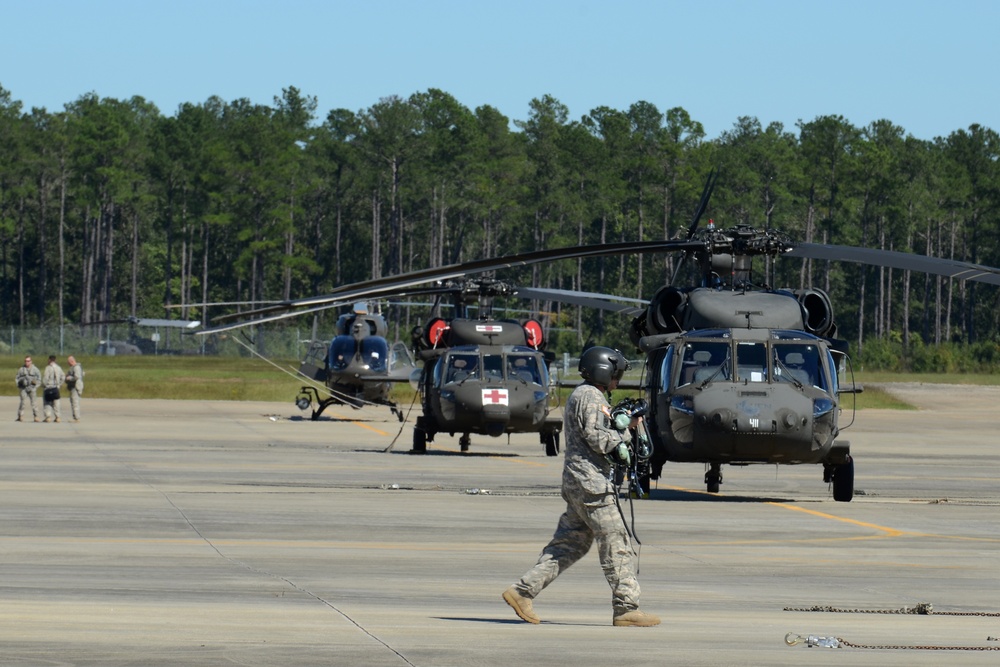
(885, 530)
(357, 423)
(889, 532)
(370, 428)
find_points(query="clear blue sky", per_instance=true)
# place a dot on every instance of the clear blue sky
(928, 66)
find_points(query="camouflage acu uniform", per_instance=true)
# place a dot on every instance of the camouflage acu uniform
(52, 378)
(28, 378)
(591, 513)
(74, 383)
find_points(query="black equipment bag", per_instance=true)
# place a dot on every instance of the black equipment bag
(51, 394)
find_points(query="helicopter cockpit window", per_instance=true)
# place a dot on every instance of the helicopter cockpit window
(834, 373)
(666, 370)
(705, 360)
(341, 351)
(375, 353)
(751, 362)
(493, 367)
(524, 368)
(799, 362)
(461, 367)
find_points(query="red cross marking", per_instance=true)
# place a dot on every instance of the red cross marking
(494, 395)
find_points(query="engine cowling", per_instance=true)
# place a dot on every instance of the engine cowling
(665, 313)
(817, 312)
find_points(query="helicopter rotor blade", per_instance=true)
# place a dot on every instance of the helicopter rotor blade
(292, 312)
(394, 285)
(148, 322)
(271, 318)
(706, 196)
(894, 259)
(586, 299)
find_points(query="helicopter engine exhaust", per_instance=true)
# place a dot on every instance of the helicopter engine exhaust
(817, 312)
(665, 312)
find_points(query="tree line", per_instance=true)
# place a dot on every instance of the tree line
(110, 208)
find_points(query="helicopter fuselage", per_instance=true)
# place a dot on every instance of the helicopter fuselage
(489, 389)
(483, 377)
(744, 396)
(355, 366)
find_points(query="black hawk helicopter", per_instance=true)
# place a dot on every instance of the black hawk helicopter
(482, 375)
(742, 373)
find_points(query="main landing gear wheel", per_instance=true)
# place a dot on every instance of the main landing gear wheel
(843, 481)
(419, 440)
(464, 442)
(713, 478)
(421, 436)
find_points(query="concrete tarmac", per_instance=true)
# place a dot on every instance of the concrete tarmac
(219, 533)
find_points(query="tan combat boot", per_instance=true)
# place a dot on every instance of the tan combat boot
(521, 605)
(636, 618)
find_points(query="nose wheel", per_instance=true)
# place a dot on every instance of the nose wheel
(713, 478)
(842, 477)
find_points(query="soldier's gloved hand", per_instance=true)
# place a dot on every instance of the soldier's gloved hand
(622, 421)
(624, 456)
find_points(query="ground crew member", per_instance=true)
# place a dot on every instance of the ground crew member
(28, 378)
(52, 379)
(74, 383)
(591, 513)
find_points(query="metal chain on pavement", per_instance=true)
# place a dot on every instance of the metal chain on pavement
(921, 609)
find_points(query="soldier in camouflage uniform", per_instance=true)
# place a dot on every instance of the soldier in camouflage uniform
(591, 513)
(52, 378)
(28, 378)
(74, 383)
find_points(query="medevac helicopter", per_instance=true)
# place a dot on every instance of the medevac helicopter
(482, 375)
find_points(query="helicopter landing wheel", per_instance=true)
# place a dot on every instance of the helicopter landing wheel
(843, 481)
(420, 436)
(419, 440)
(550, 441)
(713, 478)
(464, 442)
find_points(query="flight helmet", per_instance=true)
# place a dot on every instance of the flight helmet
(601, 365)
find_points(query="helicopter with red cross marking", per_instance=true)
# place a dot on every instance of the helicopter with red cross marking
(482, 375)
(490, 376)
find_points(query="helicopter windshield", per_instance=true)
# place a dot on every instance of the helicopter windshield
(799, 361)
(705, 360)
(523, 367)
(461, 366)
(751, 362)
(341, 351)
(375, 353)
(493, 367)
